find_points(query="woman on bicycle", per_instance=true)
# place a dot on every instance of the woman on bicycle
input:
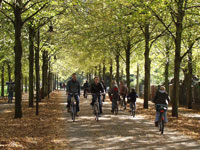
(96, 90)
(161, 98)
(132, 98)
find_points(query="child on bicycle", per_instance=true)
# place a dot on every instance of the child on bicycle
(114, 95)
(132, 96)
(161, 98)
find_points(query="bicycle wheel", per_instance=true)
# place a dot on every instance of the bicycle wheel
(96, 112)
(133, 111)
(73, 113)
(162, 125)
(116, 110)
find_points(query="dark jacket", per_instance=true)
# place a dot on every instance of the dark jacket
(73, 87)
(161, 98)
(96, 88)
(132, 97)
(114, 92)
(86, 85)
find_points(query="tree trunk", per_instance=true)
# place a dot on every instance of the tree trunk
(9, 72)
(22, 82)
(167, 69)
(111, 72)
(31, 66)
(117, 69)
(104, 69)
(37, 72)
(100, 78)
(128, 53)
(2, 81)
(189, 84)
(137, 85)
(26, 85)
(18, 64)
(147, 67)
(177, 61)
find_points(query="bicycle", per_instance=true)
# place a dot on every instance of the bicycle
(122, 102)
(132, 109)
(73, 106)
(115, 107)
(96, 107)
(161, 122)
(86, 93)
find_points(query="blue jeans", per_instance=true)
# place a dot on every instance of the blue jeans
(97, 96)
(77, 101)
(158, 115)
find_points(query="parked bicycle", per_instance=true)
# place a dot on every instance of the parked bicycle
(161, 123)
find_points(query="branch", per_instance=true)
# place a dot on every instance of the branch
(192, 7)
(28, 18)
(30, 7)
(26, 3)
(190, 47)
(162, 33)
(162, 23)
(7, 16)
(9, 4)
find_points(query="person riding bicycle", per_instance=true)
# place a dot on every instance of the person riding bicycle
(96, 90)
(132, 96)
(161, 98)
(114, 95)
(86, 88)
(104, 88)
(73, 87)
(123, 92)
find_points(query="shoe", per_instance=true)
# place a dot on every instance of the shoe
(156, 124)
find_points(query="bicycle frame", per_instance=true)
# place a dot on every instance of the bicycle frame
(96, 108)
(161, 109)
(73, 106)
(132, 109)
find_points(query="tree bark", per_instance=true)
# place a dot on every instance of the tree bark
(147, 67)
(9, 72)
(189, 84)
(137, 85)
(167, 69)
(111, 73)
(37, 72)
(31, 66)
(104, 69)
(100, 78)
(128, 53)
(117, 69)
(26, 85)
(18, 64)
(2, 80)
(177, 61)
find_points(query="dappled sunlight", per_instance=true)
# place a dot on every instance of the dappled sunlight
(120, 131)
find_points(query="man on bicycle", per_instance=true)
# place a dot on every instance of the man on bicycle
(96, 90)
(73, 89)
(161, 98)
(86, 88)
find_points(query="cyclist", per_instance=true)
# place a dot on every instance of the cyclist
(161, 98)
(104, 88)
(86, 88)
(114, 95)
(96, 90)
(73, 87)
(123, 92)
(132, 97)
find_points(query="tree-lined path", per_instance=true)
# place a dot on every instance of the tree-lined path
(120, 132)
